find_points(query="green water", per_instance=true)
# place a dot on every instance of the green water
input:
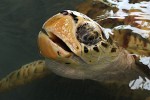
(20, 22)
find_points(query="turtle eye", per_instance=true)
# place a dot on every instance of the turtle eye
(87, 34)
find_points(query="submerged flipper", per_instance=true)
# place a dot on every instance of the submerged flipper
(25, 74)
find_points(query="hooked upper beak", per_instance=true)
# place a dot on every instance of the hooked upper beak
(57, 38)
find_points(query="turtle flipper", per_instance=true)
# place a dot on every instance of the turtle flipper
(25, 74)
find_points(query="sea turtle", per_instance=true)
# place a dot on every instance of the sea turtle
(76, 47)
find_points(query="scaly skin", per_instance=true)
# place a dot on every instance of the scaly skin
(25, 74)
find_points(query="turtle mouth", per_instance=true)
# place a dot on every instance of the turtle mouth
(51, 46)
(58, 41)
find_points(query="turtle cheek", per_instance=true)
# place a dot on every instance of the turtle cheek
(49, 49)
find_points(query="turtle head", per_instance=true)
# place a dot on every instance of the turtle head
(73, 38)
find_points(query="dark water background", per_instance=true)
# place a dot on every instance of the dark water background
(20, 22)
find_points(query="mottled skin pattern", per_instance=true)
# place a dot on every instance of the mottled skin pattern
(24, 75)
(77, 47)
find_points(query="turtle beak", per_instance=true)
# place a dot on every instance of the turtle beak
(50, 48)
(57, 38)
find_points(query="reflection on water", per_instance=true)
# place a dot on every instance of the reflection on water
(145, 61)
(140, 83)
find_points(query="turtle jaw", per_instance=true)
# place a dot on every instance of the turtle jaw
(52, 47)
